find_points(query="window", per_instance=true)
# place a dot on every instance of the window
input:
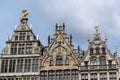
(103, 76)
(110, 62)
(43, 75)
(103, 50)
(93, 61)
(33, 78)
(10, 78)
(28, 37)
(91, 50)
(16, 37)
(27, 65)
(75, 75)
(102, 61)
(67, 75)
(28, 48)
(112, 76)
(35, 65)
(93, 76)
(59, 60)
(51, 62)
(12, 65)
(13, 48)
(84, 76)
(4, 66)
(26, 78)
(59, 75)
(19, 65)
(22, 36)
(21, 49)
(97, 50)
(67, 61)
(18, 78)
(51, 75)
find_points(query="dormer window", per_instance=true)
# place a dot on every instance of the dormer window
(59, 60)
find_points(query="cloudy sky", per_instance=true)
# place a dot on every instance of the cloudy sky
(80, 17)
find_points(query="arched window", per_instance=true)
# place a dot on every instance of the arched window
(93, 61)
(102, 61)
(97, 50)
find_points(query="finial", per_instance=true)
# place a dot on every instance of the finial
(105, 36)
(24, 14)
(88, 36)
(15, 27)
(48, 39)
(56, 26)
(63, 26)
(116, 49)
(30, 26)
(71, 39)
(8, 38)
(97, 28)
(37, 37)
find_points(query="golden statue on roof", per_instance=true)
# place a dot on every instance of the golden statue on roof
(24, 14)
(97, 28)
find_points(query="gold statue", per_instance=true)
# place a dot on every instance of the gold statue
(96, 28)
(24, 14)
(59, 38)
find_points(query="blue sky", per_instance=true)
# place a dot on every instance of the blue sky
(80, 17)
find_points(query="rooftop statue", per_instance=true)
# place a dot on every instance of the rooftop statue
(24, 14)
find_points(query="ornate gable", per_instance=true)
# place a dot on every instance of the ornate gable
(60, 52)
(98, 52)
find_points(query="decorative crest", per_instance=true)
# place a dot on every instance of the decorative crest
(24, 14)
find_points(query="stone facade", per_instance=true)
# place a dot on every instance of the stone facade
(25, 58)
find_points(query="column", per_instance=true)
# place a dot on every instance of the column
(88, 75)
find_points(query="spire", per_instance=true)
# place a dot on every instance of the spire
(56, 26)
(48, 39)
(63, 26)
(23, 18)
(71, 39)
